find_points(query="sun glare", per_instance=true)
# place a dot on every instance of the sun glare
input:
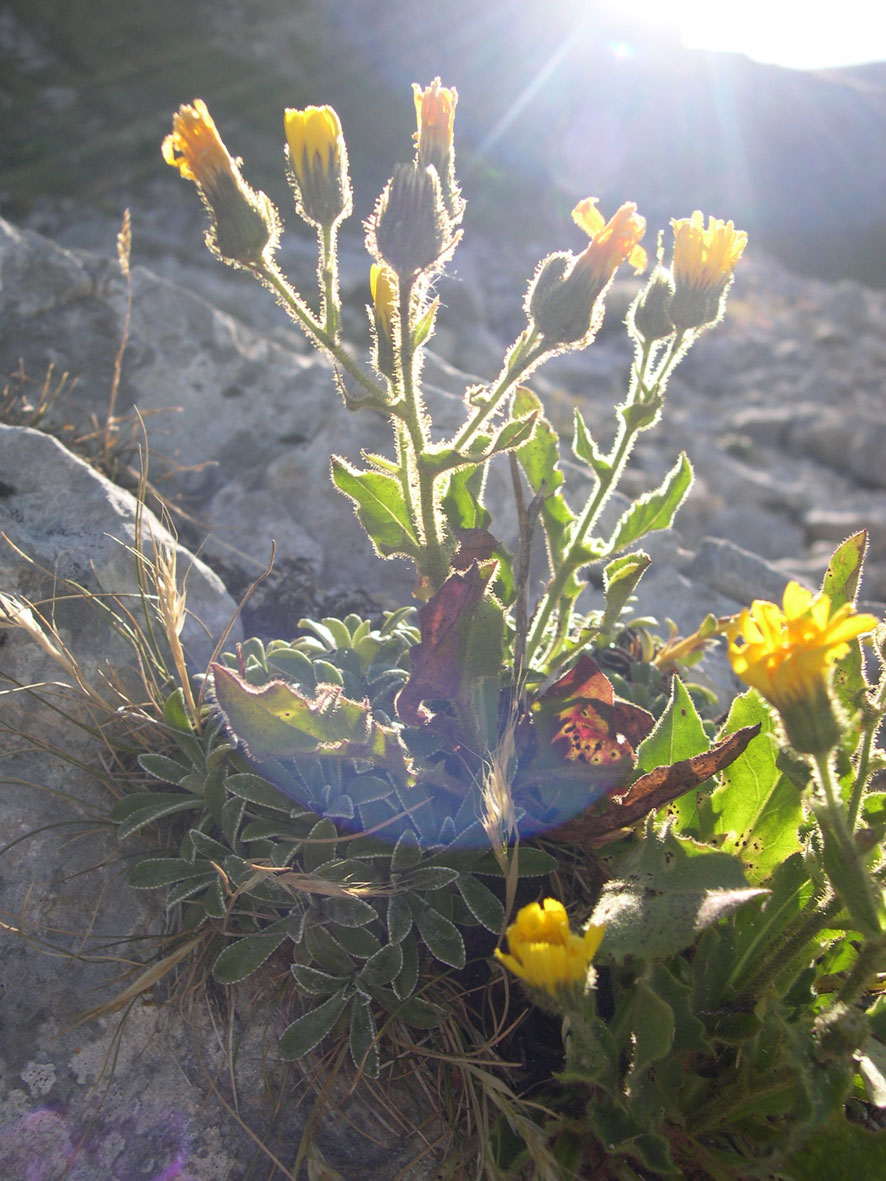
(790, 33)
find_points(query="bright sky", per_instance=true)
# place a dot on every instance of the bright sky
(803, 34)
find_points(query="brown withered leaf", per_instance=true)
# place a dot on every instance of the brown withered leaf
(579, 719)
(599, 825)
(474, 545)
(461, 643)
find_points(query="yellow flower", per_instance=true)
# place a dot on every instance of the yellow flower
(318, 162)
(704, 260)
(786, 654)
(245, 226)
(614, 241)
(195, 147)
(383, 285)
(435, 115)
(544, 952)
(706, 257)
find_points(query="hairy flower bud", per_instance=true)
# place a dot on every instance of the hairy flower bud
(383, 285)
(650, 315)
(410, 230)
(318, 164)
(565, 298)
(244, 225)
(435, 116)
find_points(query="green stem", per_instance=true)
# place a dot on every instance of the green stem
(524, 356)
(329, 282)
(642, 391)
(864, 758)
(296, 307)
(868, 963)
(414, 445)
(574, 558)
(727, 1107)
(816, 916)
(842, 860)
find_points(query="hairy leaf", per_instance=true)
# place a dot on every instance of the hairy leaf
(277, 720)
(380, 506)
(654, 510)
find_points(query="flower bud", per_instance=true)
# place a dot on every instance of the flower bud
(383, 285)
(565, 299)
(650, 315)
(410, 230)
(704, 260)
(318, 164)
(244, 225)
(435, 115)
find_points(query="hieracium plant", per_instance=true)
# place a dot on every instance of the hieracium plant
(368, 803)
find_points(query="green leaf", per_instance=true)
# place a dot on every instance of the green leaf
(841, 583)
(540, 460)
(175, 712)
(482, 903)
(314, 982)
(430, 877)
(462, 501)
(441, 936)
(349, 911)
(620, 579)
(358, 941)
(164, 768)
(163, 871)
(384, 966)
(664, 897)
(654, 510)
(757, 932)
(399, 918)
(147, 807)
(255, 789)
(363, 1040)
(308, 1031)
(757, 811)
(653, 1027)
(679, 734)
(381, 508)
(406, 979)
(319, 846)
(843, 575)
(837, 1150)
(277, 720)
(328, 952)
(585, 449)
(407, 852)
(243, 957)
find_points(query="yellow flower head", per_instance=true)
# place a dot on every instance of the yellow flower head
(435, 115)
(383, 285)
(706, 258)
(313, 136)
(612, 242)
(319, 163)
(786, 654)
(195, 147)
(544, 952)
(245, 226)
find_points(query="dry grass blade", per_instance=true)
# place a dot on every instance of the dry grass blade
(143, 983)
